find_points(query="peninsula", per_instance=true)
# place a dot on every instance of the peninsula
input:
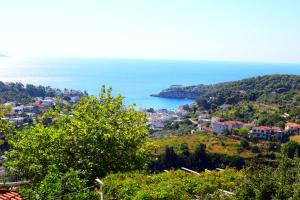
(267, 87)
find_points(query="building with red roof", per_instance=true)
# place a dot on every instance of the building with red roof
(292, 127)
(267, 132)
(227, 126)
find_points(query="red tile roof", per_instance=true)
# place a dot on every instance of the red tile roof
(249, 124)
(228, 123)
(220, 123)
(233, 123)
(267, 128)
(290, 124)
(8, 195)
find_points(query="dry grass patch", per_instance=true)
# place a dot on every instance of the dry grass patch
(295, 138)
(214, 144)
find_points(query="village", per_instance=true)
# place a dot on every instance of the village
(23, 115)
(218, 125)
(158, 118)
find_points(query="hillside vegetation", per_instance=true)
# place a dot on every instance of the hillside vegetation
(25, 93)
(214, 144)
(67, 149)
(279, 89)
(172, 185)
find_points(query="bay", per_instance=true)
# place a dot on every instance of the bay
(134, 79)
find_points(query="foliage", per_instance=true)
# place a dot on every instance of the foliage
(56, 185)
(291, 149)
(5, 126)
(214, 144)
(244, 131)
(269, 183)
(25, 93)
(184, 127)
(280, 89)
(198, 160)
(260, 114)
(174, 185)
(244, 144)
(99, 136)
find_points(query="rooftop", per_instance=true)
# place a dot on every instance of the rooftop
(290, 124)
(8, 195)
(228, 123)
(267, 128)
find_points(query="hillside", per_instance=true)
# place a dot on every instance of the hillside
(279, 89)
(25, 93)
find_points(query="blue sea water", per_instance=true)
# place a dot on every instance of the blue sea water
(134, 79)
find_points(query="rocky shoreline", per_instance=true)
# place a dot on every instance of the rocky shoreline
(180, 92)
(175, 95)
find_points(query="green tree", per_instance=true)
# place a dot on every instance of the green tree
(271, 183)
(99, 136)
(244, 144)
(281, 124)
(200, 158)
(203, 103)
(57, 185)
(5, 127)
(291, 149)
(244, 131)
(235, 131)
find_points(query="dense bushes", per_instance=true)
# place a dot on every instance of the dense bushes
(281, 89)
(174, 185)
(269, 88)
(57, 185)
(291, 149)
(260, 114)
(279, 182)
(282, 182)
(198, 160)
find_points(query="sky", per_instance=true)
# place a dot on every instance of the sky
(235, 30)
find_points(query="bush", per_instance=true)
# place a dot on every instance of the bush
(272, 183)
(291, 149)
(174, 185)
(57, 185)
(244, 144)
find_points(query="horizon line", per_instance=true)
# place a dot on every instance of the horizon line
(154, 59)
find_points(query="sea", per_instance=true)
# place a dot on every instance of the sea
(135, 79)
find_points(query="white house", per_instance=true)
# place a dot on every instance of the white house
(216, 119)
(292, 127)
(267, 132)
(227, 126)
(204, 118)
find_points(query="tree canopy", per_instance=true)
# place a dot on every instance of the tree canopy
(98, 136)
(291, 149)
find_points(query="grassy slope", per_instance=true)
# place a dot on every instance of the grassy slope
(295, 138)
(214, 144)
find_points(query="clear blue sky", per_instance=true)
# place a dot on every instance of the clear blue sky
(242, 30)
